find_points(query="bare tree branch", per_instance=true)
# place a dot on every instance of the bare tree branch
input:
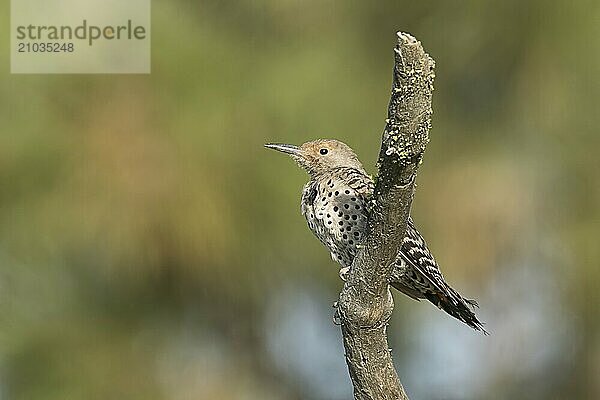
(366, 304)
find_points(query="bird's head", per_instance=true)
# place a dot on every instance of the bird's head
(319, 156)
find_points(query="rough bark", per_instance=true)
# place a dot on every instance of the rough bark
(365, 304)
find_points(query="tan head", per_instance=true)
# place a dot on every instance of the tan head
(319, 156)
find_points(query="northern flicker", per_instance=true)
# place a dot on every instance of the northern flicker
(335, 205)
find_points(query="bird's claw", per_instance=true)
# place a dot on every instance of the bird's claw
(344, 273)
(337, 320)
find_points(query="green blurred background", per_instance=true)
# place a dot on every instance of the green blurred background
(150, 248)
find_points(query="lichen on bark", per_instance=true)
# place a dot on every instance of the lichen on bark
(365, 304)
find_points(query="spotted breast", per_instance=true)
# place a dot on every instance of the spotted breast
(334, 206)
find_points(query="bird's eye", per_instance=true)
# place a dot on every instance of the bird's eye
(323, 151)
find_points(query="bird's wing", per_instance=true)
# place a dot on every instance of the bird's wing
(357, 180)
(423, 271)
(422, 276)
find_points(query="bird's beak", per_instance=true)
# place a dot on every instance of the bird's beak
(285, 148)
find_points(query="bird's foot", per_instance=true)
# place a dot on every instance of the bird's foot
(344, 273)
(337, 320)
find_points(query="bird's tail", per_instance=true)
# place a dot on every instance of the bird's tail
(459, 307)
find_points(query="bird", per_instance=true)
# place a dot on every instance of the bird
(335, 203)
